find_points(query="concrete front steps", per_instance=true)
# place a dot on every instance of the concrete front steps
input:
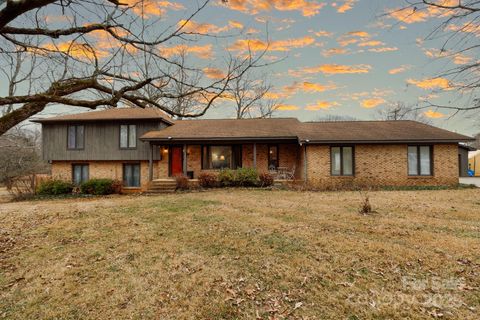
(162, 186)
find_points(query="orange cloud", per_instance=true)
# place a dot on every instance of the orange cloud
(334, 51)
(203, 52)
(151, 8)
(346, 6)
(308, 8)
(319, 105)
(409, 15)
(383, 49)
(287, 107)
(309, 87)
(457, 58)
(195, 27)
(467, 27)
(399, 69)
(77, 50)
(371, 43)
(433, 114)
(360, 34)
(372, 103)
(461, 59)
(323, 33)
(429, 84)
(420, 14)
(353, 37)
(317, 87)
(214, 73)
(333, 69)
(244, 45)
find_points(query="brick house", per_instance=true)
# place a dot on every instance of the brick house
(138, 146)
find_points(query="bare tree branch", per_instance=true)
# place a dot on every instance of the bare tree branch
(107, 53)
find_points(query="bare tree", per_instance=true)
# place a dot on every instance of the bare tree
(104, 53)
(335, 118)
(401, 111)
(185, 103)
(459, 31)
(20, 155)
(250, 96)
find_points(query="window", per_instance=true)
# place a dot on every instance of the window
(221, 157)
(272, 157)
(128, 136)
(79, 173)
(131, 175)
(419, 160)
(342, 161)
(76, 137)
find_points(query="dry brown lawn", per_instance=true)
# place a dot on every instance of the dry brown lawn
(243, 254)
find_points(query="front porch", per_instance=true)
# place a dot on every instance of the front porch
(284, 160)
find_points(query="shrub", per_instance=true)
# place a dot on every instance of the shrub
(246, 177)
(207, 180)
(226, 178)
(182, 182)
(242, 177)
(266, 179)
(365, 207)
(100, 187)
(54, 187)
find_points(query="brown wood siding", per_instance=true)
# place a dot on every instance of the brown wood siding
(102, 141)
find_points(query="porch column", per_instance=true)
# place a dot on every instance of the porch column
(185, 159)
(150, 163)
(255, 155)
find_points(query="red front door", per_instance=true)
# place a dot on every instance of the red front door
(176, 161)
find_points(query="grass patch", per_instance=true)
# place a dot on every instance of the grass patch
(242, 254)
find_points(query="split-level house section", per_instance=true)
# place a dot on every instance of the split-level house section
(138, 146)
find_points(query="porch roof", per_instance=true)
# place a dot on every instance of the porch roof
(228, 130)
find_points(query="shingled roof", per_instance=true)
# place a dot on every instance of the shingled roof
(111, 114)
(228, 129)
(311, 132)
(376, 131)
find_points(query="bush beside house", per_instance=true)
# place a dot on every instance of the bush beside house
(182, 182)
(101, 187)
(54, 187)
(243, 177)
(207, 180)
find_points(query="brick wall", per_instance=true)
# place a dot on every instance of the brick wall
(102, 169)
(375, 165)
(382, 165)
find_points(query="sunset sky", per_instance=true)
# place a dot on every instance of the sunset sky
(342, 57)
(345, 57)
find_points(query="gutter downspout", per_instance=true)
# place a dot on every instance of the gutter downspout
(305, 162)
(150, 163)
